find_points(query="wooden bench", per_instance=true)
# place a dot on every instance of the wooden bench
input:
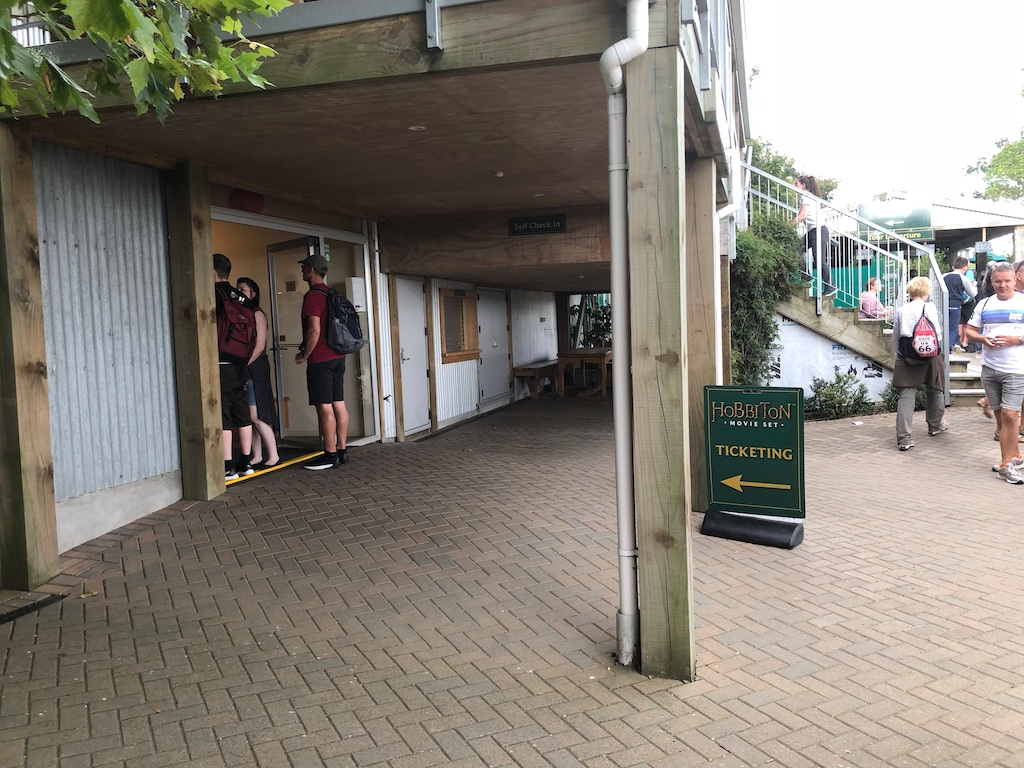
(534, 372)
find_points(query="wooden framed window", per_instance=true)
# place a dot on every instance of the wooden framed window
(460, 337)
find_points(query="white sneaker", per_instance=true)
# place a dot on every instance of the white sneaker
(1016, 462)
(1011, 474)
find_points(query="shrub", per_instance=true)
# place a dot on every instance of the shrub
(844, 396)
(765, 267)
(891, 396)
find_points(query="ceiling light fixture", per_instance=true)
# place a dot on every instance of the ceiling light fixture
(417, 127)
(499, 174)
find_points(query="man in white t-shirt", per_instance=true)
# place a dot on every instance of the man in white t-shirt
(998, 324)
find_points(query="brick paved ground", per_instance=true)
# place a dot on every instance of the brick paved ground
(451, 603)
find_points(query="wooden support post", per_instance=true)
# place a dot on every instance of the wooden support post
(661, 455)
(703, 315)
(197, 373)
(28, 518)
(432, 353)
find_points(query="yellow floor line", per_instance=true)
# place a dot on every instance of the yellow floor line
(279, 465)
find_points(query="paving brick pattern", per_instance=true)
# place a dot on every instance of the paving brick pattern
(451, 602)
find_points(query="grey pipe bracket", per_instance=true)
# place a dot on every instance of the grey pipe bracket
(433, 11)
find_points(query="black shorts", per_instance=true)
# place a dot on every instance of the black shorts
(326, 381)
(234, 404)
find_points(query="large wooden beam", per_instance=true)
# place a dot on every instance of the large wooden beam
(703, 313)
(28, 518)
(660, 397)
(493, 34)
(475, 247)
(197, 373)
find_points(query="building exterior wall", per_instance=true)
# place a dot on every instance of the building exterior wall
(109, 351)
(458, 391)
(534, 331)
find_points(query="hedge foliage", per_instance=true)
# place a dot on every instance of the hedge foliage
(766, 266)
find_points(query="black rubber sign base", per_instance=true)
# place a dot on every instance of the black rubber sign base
(753, 530)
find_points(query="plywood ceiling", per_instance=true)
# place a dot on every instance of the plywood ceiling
(520, 139)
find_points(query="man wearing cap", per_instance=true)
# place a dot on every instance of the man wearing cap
(325, 368)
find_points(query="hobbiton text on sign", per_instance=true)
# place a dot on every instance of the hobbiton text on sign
(755, 446)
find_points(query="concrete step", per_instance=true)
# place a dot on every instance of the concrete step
(964, 380)
(965, 398)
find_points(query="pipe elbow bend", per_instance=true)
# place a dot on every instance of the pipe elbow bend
(616, 57)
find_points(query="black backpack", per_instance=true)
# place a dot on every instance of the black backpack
(344, 334)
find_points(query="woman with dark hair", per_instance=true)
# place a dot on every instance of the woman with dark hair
(806, 219)
(261, 394)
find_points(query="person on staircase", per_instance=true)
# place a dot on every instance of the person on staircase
(960, 290)
(871, 307)
(816, 238)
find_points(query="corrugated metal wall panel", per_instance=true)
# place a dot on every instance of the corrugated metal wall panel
(534, 327)
(110, 359)
(534, 331)
(458, 387)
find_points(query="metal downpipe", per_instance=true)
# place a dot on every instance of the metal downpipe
(614, 58)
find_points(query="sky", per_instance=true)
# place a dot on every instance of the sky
(886, 95)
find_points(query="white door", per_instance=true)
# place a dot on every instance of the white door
(298, 418)
(492, 317)
(412, 341)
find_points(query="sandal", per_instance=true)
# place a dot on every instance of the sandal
(983, 404)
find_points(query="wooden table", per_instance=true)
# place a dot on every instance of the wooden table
(599, 356)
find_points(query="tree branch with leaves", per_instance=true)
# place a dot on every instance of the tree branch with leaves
(1003, 173)
(160, 49)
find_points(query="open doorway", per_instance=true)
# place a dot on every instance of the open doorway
(268, 251)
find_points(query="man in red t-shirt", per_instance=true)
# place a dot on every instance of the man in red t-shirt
(325, 368)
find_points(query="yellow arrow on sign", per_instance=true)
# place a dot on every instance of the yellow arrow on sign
(737, 482)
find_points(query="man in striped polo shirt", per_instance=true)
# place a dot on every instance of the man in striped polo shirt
(998, 325)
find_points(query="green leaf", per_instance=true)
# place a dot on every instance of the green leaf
(178, 31)
(145, 33)
(104, 17)
(138, 75)
(8, 98)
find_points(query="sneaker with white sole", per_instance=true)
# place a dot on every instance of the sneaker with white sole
(907, 446)
(1011, 474)
(323, 461)
(1016, 461)
(942, 428)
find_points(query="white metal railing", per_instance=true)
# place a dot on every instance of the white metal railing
(849, 250)
(26, 26)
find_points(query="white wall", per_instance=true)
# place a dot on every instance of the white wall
(458, 390)
(534, 331)
(801, 354)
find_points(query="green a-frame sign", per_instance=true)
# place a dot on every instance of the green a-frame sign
(754, 437)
